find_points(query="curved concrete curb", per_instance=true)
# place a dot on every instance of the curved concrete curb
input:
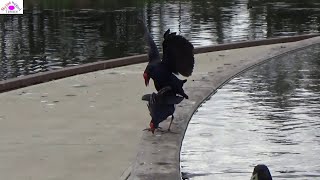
(246, 44)
(159, 155)
(29, 80)
(126, 174)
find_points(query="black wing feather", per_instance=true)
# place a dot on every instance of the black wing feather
(178, 54)
(153, 52)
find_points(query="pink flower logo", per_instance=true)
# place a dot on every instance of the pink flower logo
(11, 7)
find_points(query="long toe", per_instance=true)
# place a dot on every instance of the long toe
(147, 129)
(152, 129)
(159, 129)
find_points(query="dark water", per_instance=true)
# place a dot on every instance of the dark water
(270, 114)
(57, 33)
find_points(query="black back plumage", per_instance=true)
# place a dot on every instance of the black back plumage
(160, 105)
(160, 112)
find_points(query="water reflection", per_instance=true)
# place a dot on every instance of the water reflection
(58, 33)
(270, 115)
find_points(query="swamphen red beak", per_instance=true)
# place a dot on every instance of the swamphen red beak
(152, 128)
(146, 79)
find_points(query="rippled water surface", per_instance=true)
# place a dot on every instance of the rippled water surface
(270, 114)
(57, 33)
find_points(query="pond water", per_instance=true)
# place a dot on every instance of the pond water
(269, 114)
(53, 34)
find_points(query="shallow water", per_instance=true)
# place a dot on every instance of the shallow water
(58, 33)
(270, 115)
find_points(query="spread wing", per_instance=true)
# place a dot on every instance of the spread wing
(153, 52)
(178, 54)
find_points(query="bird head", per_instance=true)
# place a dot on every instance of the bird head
(261, 172)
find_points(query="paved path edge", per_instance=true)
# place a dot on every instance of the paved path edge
(28, 80)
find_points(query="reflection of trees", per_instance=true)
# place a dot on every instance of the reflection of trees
(204, 11)
(58, 33)
(313, 65)
(258, 23)
(292, 17)
(275, 80)
(41, 40)
(82, 4)
(285, 93)
(285, 83)
(287, 17)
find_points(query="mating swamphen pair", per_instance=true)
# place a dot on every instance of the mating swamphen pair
(177, 58)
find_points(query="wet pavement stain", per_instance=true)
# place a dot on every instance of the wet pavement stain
(79, 86)
(70, 95)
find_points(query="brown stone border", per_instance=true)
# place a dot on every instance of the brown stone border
(33, 79)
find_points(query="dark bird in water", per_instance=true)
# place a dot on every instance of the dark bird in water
(178, 58)
(161, 106)
(261, 172)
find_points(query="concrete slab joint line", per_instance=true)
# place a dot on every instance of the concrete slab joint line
(15, 83)
(159, 156)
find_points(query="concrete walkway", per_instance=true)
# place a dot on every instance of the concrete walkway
(88, 126)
